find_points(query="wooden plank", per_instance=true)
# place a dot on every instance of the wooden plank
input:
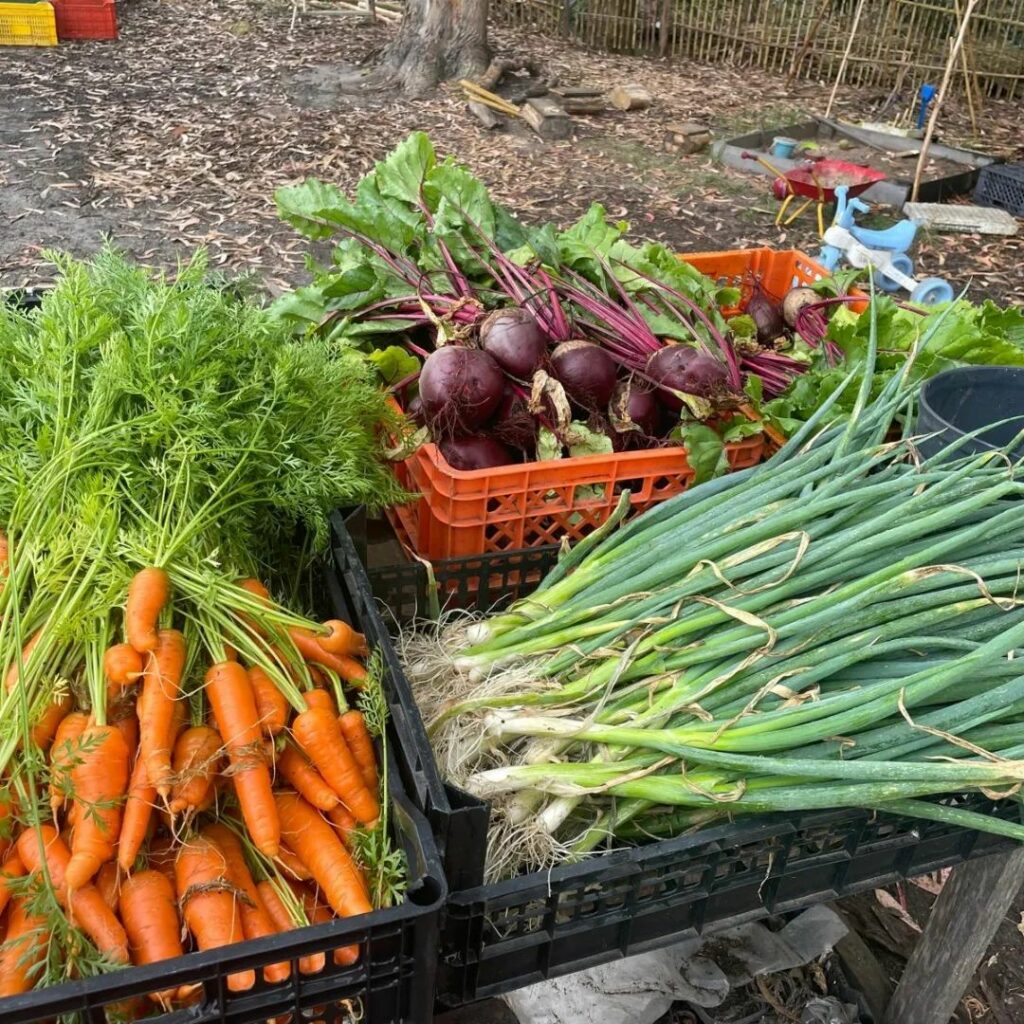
(962, 218)
(861, 966)
(963, 921)
(547, 118)
(585, 104)
(577, 91)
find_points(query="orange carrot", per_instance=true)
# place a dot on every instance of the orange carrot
(147, 594)
(258, 590)
(343, 822)
(25, 947)
(14, 672)
(256, 922)
(208, 904)
(303, 777)
(234, 707)
(311, 650)
(12, 868)
(318, 733)
(99, 781)
(319, 848)
(278, 914)
(291, 865)
(45, 725)
(357, 735)
(343, 639)
(196, 758)
(128, 726)
(86, 907)
(108, 882)
(138, 810)
(271, 704)
(122, 666)
(63, 754)
(161, 691)
(319, 698)
(149, 910)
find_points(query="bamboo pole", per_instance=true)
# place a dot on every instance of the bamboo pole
(846, 56)
(967, 78)
(940, 98)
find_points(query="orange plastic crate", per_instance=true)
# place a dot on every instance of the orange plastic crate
(529, 505)
(86, 19)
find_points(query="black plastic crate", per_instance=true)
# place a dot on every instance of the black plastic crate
(1002, 185)
(502, 936)
(393, 981)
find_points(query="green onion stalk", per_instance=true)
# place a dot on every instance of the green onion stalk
(838, 627)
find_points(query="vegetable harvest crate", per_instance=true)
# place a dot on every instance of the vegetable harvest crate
(502, 936)
(529, 505)
(27, 24)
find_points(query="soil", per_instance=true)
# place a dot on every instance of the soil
(178, 134)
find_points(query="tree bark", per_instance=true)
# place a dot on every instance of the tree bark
(437, 40)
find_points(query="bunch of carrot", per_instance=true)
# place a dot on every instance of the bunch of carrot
(211, 777)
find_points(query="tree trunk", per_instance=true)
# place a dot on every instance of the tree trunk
(438, 39)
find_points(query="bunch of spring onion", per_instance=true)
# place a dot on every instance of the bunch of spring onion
(186, 761)
(838, 627)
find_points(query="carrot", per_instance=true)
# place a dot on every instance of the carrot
(161, 856)
(208, 904)
(319, 848)
(122, 667)
(63, 754)
(149, 910)
(318, 698)
(258, 590)
(343, 639)
(12, 868)
(344, 824)
(147, 594)
(86, 907)
(45, 725)
(278, 914)
(318, 733)
(306, 779)
(357, 735)
(99, 781)
(160, 693)
(128, 726)
(24, 949)
(14, 672)
(196, 757)
(319, 914)
(108, 882)
(271, 704)
(234, 708)
(138, 810)
(291, 865)
(256, 922)
(311, 650)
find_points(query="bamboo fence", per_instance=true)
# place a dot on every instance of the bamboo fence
(898, 40)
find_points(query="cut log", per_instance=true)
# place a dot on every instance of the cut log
(577, 91)
(547, 118)
(487, 117)
(685, 138)
(584, 104)
(630, 97)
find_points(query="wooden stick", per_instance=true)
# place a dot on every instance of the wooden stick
(940, 98)
(967, 78)
(812, 33)
(478, 92)
(846, 56)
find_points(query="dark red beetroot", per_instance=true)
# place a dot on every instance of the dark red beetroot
(685, 369)
(476, 452)
(634, 404)
(414, 410)
(460, 389)
(515, 341)
(514, 424)
(586, 372)
(766, 316)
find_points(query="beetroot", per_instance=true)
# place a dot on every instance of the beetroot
(514, 424)
(414, 410)
(766, 315)
(586, 372)
(634, 409)
(513, 338)
(685, 369)
(460, 389)
(476, 452)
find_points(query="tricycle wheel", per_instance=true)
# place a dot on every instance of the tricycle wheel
(931, 291)
(901, 262)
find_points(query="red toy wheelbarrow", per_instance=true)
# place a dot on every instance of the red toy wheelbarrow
(816, 181)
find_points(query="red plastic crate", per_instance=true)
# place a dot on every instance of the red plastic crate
(509, 508)
(86, 20)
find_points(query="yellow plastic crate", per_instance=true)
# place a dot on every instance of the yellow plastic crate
(27, 25)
